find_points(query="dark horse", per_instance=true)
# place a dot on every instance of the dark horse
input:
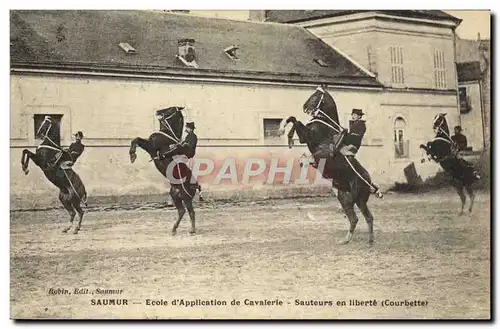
(49, 153)
(444, 151)
(182, 190)
(323, 136)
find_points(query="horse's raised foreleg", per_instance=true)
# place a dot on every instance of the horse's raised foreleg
(299, 128)
(142, 143)
(25, 159)
(347, 202)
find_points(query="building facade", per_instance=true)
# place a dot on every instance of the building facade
(473, 67)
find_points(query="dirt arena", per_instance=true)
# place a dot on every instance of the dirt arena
(282, 250)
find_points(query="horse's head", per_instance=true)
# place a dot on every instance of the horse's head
(321, 103)
(171, 120)
(440, 125)
(49, 129)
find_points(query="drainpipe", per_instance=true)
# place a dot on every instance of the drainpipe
(456, 74)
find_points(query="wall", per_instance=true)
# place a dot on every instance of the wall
(111, 112)
(418, 41)
(418, 109)
(472, 122)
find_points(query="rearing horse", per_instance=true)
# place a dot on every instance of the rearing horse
(444, 151)
(160, 142)
(323, 136)
(48, 155)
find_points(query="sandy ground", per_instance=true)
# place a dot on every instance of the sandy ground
(269, 250)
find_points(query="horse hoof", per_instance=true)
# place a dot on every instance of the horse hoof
(75, 231)
(133, 157)
(65, 230)
(174, 232)
(371, 242)
(192, 232)
(345, 241)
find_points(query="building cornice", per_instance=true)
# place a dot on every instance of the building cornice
(353, 31)
(258, 79)
(374, 15)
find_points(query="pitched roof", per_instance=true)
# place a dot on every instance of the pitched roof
(467, 50)
(295, 16)
(469, 71)
(89, 40)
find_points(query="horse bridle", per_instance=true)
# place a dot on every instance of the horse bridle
(439, 129)
(164, 122)
(46, 119)
(318, 110)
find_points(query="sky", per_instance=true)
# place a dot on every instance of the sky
(474, 22)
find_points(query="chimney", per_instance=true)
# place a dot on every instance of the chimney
(187, 53)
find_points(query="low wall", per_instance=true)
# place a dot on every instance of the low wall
(108, 175)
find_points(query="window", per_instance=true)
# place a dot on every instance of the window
(372, 59)
(38, 119)
(271, 129)
(465, 106)
(397, 70)
(231, 52)
(127, 48)
(320, 62)
(186, 52)
(401, 145)
(439, 70)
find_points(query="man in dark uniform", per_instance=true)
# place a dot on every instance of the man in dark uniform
(357, 129)
(461, 145)
(190, 141)
(187, 148)
(76, 149)
(352, 143)
(67, 158)
(459, 139)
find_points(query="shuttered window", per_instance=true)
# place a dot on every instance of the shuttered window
(397, 69)
(439, 70)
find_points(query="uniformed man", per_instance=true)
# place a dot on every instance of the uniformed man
(190, 141)
(67, 158)
(357, 129)
(352, 143)
(461, 145)
(459, 139)
(76, 149)
(187, 148)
